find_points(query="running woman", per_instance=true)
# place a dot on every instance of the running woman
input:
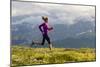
(44, 28)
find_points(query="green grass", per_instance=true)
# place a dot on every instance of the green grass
(22, 56)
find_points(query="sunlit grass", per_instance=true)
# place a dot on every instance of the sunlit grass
(32, 56)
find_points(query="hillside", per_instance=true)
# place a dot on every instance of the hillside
(24, 56)
(24, 33)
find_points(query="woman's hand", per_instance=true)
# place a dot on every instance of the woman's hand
(50, 28)
(42, 32)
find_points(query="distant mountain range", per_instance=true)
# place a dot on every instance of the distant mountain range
(80, 34)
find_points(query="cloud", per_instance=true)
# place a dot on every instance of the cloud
(57, 13)
(84, 32)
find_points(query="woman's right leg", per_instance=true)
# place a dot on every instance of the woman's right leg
(43, 40)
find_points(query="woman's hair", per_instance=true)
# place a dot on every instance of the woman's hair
(45, 18)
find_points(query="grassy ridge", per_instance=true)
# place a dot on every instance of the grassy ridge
(31, 56)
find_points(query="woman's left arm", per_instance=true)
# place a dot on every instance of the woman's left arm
(49, 28)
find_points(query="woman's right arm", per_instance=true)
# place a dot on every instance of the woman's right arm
(40, 27)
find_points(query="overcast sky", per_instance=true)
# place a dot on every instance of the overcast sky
(57, 13)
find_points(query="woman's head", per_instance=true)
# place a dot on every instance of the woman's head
(45, 18)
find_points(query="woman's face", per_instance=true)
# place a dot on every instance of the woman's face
(46, 20)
